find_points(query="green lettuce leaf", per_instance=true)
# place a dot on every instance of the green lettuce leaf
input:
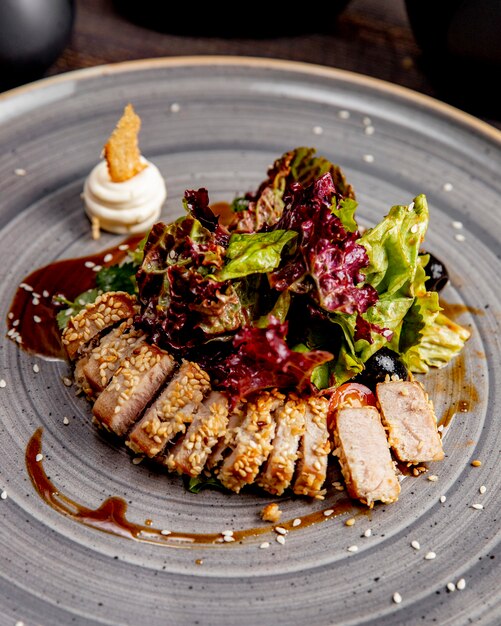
(346, 213)
(72, 308)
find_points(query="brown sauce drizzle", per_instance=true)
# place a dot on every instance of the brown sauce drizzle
(110, 516)
(69, 277)
(465, 402)
(453, 311)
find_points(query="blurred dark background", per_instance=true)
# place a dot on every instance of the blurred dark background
(449, 49)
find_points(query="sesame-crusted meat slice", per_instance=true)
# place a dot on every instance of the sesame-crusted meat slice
(107, 310)
(278, 470)
(225, 443)
(252, 442)
(95, 369)
(410, 420)
(364, 455)
(171, 411)
(314, 449)
(190, 454)
(133, 385)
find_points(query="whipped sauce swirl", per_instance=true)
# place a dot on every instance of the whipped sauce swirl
(128, 207)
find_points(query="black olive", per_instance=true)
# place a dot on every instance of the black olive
(437, 273)
(384, 362)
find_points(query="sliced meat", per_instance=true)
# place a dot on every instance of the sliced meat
(95, 369)
(190, 454)
(134, 384)
(252, 442)
(410, 420)
(364, 455)
(171, 412)
(314, 450)
(278, 470)
(226, 443)
(107, 310)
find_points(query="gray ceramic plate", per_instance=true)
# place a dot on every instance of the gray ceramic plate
(235, 116)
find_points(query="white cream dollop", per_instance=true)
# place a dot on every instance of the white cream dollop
(128, 207)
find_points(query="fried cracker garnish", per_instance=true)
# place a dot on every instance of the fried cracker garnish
(122, 150)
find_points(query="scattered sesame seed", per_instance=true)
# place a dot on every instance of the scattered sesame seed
(461, 584)
(2, 383)
(477, 506)
(280, 530)
(175, 107)
(137, 459)
(344, 115)
(37, 319)
(89, 264)
(397, 598)
(265, 545)
(296, 522)
(318, 130)
(97, 268)
(369, 130)
(228, 538)
(459, 237)
(368, 533)
(447, 187)
(123, 246)
(36, 368)
(39, 457)
(165, 532)
(451, 586)
(443, 499)
(368, 158)
(410, 207)
(433, 478)
(416, 545)
(350, 521)
(280, 539)
(457, 225)
(227, 533)
(67, 382)
(476, 463)
(107, 258)
(35, 301)
(328, 512)
(66, 421)
(3, 495)
(45, 293)
(10, 315)
(19, 623)
(352, 548)
(441, 428)
(482, 489)
(26, 287)
(20, 171)
(15, 323)
(414, 228)
(429, 556)
(367, 121)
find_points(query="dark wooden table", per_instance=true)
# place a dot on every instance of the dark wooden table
(371, 37)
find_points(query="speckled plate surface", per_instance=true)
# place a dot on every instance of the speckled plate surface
(234, 116)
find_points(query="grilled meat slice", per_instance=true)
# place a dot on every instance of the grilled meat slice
(133, 385)
(410, 420)
(252, 442)
(190, 454)
(314, 450)
(173, 409)
(364, 455)
(278, 470)
(107, 310)
(94, 370)
(225, 443)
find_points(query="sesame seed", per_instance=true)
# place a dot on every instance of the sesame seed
(440, 428)
(318, 130)
(433, 478)
(414, 228)
(97, 268)
(482, 489)
(35, 302)
(37, 319)
(3, 495)
(265, 545)
(20, 171)
(443, 499)
(457, 225)
(10, 315)
(19, 623)
(368, 158)
(352, 548)
(397, 598)
(328, 512)
(429, 556)
(175, 107)
(459, 237)
(461, 584)
(296, 522)
(26, 287)
(137, 459)
(45, 293)
(369, 130)
(451, 586)
(367, 121)
(447, 187)
(2, 383)
(108, 258)
(477, 506)
(165, 532)
(36, 368)
(228, 538)
(123, 246)
(280, 539)
(89, 264)
(344, 115)
(416, 545)
(410, 207)
(67, 382)
(350, 521)
(368, 533)
(280, 530)
(227, 533)
(39, 457)
(66, 421)
(476, 463)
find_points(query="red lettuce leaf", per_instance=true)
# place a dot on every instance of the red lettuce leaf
(197, 205)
